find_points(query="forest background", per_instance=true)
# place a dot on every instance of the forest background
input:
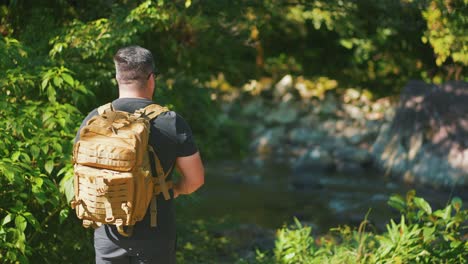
(56, 66)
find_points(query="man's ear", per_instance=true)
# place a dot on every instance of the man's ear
(151, 84)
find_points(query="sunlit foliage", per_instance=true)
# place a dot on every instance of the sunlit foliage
(56, 65)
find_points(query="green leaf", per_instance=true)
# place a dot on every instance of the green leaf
(428, 233)
(49, 166)
(6, 219)
(51, 94)
(20, 222)
(455, 244)
(45, 149)
(422, 204)
(32, 220)
(444, 213)
(397, 202)
(44, 84)
(68, 79)
(15, 155)
(9, 175)
(46, 116)
(347, 43)
(57, 81)
(298, 223)
(57, 147)
(188, 3)
(35, 151)
(38, 182)
(67, 187)
(41, 198)
(26, 157)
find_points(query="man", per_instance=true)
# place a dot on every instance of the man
(173, 142)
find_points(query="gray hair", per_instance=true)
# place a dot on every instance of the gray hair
(133, 64)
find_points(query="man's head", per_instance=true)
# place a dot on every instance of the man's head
(134, 67)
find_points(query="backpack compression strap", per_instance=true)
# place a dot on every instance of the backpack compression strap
(103, 108)
(152, 111)
(159, 181)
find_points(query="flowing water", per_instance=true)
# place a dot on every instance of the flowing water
(265, 197)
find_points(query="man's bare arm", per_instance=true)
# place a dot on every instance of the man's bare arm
(192, 172)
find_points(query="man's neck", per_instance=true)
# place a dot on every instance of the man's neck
(133, 93)
(134, 96)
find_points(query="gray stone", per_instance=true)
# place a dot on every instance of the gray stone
(340, 125)
(283, 86)
(353, 135)
(314, 160)
(330, 105)
(329, 126)
(253, 108)
(353, 111)
(269, 140)
(427, 138)
(285, 113)
(303, 135)
(311, 120)
(352, 154)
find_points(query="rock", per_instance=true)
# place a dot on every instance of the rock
(329, 105)
(314, 160)
(426, 141)
(286, 113)
(353, 135)
(340, 125)
(303, 135)
(351, 95)
(269, 140)
(311, 120)
(352, 154)
(329, 126)
(283, 86)
(332, 143)
(416, 142)
(253, 108)
(353, 111)
(258, 130)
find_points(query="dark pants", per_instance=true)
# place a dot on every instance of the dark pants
(124, 251)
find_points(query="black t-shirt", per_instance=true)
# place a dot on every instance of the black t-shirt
(171, 137)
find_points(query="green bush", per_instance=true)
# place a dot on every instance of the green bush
(420, 236)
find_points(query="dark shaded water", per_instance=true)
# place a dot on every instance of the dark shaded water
(265, 197)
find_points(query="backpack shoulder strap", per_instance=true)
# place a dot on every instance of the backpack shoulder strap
(103, 108)
(153, 110)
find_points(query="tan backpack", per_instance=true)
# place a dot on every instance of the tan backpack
(113, 180)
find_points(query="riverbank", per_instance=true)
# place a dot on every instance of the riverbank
(311, 157)
(317, 127)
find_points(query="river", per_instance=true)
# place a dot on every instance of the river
(264, 196)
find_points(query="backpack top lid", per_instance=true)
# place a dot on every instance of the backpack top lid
(151, 111)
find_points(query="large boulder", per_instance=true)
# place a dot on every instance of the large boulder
(427, 141)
